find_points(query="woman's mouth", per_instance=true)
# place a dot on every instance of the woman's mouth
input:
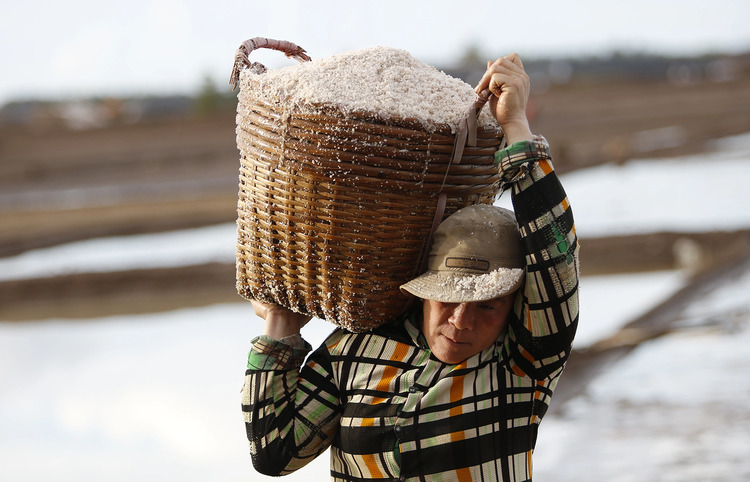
(453, 341)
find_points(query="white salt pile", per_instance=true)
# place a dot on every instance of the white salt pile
(383, 81)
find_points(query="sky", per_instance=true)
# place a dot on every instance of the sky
(85, 47)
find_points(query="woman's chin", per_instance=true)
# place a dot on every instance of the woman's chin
(451, 352)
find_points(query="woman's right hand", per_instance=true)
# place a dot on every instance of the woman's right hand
(280, 321)
(507, 80)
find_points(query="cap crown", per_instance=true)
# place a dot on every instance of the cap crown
(477, 239)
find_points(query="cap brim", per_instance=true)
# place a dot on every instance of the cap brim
(455, 287)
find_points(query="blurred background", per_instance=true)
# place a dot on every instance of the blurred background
(123, 341)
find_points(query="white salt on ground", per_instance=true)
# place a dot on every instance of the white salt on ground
(384, 81)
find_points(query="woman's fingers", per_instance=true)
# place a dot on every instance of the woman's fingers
(509, 65)
(515, 59)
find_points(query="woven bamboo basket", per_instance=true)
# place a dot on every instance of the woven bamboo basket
(336, 211)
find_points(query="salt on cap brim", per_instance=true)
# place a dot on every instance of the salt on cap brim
(476, 256)
(449, 287)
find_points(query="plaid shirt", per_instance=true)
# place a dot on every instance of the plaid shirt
(391, 411)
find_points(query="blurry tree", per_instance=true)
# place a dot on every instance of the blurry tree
(472, 57)
(208, 100)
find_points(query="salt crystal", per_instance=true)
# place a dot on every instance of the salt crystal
(484, 285)
(383, 81)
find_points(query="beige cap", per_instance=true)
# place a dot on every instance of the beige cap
(476, 256)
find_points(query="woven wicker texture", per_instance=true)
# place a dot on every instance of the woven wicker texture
(335, 211)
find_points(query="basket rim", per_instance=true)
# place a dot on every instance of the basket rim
(334, 114)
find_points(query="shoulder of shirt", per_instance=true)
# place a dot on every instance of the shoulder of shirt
(338, 341)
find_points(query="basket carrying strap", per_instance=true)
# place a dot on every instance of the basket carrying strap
(467, 127)
(466, 134)
(439, 211)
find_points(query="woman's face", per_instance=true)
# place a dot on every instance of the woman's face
(456, 331)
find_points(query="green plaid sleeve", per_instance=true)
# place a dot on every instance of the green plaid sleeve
(270, 354)
(541, 333)
(516, 159)
(289, 403)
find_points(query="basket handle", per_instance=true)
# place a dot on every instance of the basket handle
(466, 133)
(241, 60)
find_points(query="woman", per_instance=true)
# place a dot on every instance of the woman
(456, 388)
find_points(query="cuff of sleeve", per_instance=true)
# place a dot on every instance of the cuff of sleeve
(269, 354)
(515, 159)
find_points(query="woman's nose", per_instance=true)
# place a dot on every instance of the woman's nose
(462, 317)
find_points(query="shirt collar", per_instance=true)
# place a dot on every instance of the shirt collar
(412, 323)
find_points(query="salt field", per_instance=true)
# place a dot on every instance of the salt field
(156, 396)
